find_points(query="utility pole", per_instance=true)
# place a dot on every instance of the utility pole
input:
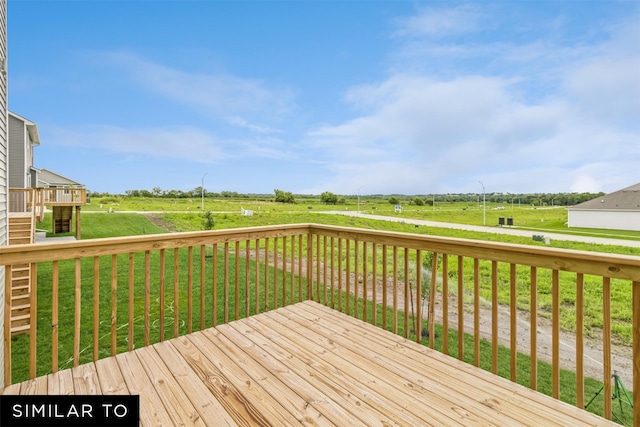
(202, 193)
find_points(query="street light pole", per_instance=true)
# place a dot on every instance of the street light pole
(359, 197)
(484, 205)
(202, 193)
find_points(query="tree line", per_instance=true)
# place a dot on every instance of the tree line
(330, 198)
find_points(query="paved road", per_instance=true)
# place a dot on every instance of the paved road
(500, 230)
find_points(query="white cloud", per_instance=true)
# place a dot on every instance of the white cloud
(537, 114)
(178, 142)
(440, 22)
(244, 100)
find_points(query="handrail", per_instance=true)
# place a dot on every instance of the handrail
(144, 283)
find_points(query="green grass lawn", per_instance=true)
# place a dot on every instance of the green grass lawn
(95, 225)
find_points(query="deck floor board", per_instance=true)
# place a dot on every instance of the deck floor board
(307, 364)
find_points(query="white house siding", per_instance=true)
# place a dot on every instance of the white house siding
(4, 185)
(611, 220)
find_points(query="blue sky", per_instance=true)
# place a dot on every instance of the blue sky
(404, 97)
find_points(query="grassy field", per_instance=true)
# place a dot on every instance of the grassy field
(553, 219)
(121, 222)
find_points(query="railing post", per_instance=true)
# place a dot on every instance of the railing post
(7, 325)
(636, 353)
(309, 266)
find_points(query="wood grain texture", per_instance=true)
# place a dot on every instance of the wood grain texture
(307, 364)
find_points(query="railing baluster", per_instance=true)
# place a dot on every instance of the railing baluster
(257, 276)
(300, 292)
(176, 292)
(365, 296)
(445, 304)
(7, 324)
(514, 322)
(406, 294)
(385, 301)
(606, 346)
(460, 307)
(284, 271)
(324, 270)
(203, 256)
(494, 317)
(214, 284)
(247, 277)
(236, 290)
(226, 282)
(374, 284)
(340, 289)
(33, 301)
(266, 274)
(395, 289)
(635, 299)
(533, 336)
(292, 262)
(418, 327)
(147, 298)
(476, 312)
(580, 341)
(555, 334)
(55, 316)
(432, 300)
(189, 289)
(275, 272)
(333, 271)
(114, 302)
(77, 303)
(318, 297)
(356, 284)
(348, 277)
(131, 301)
(161, 291)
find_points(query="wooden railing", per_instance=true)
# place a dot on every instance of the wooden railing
(24, 200)
(100, 297)
(35, 199)
(63, 196)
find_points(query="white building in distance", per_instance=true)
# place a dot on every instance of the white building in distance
(619, 210)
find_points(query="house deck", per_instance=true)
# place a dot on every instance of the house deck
(307, 364)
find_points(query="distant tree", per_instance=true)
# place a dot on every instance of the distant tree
(284, 196)
(328, 198)
(342, 201)
(393, 200)
(418, 201)
(157, 191)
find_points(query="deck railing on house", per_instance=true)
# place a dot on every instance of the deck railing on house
(24, 200)
(35, 199)
(100, 297)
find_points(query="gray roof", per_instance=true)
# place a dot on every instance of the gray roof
(52, 179)
(627, 199)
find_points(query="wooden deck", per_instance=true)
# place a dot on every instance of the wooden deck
(307, 364)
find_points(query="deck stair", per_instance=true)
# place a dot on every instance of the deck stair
(21, 231)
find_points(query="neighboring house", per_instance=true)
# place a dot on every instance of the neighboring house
(23, 138)
(619, 210)
(4, 183)
(52, 189)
